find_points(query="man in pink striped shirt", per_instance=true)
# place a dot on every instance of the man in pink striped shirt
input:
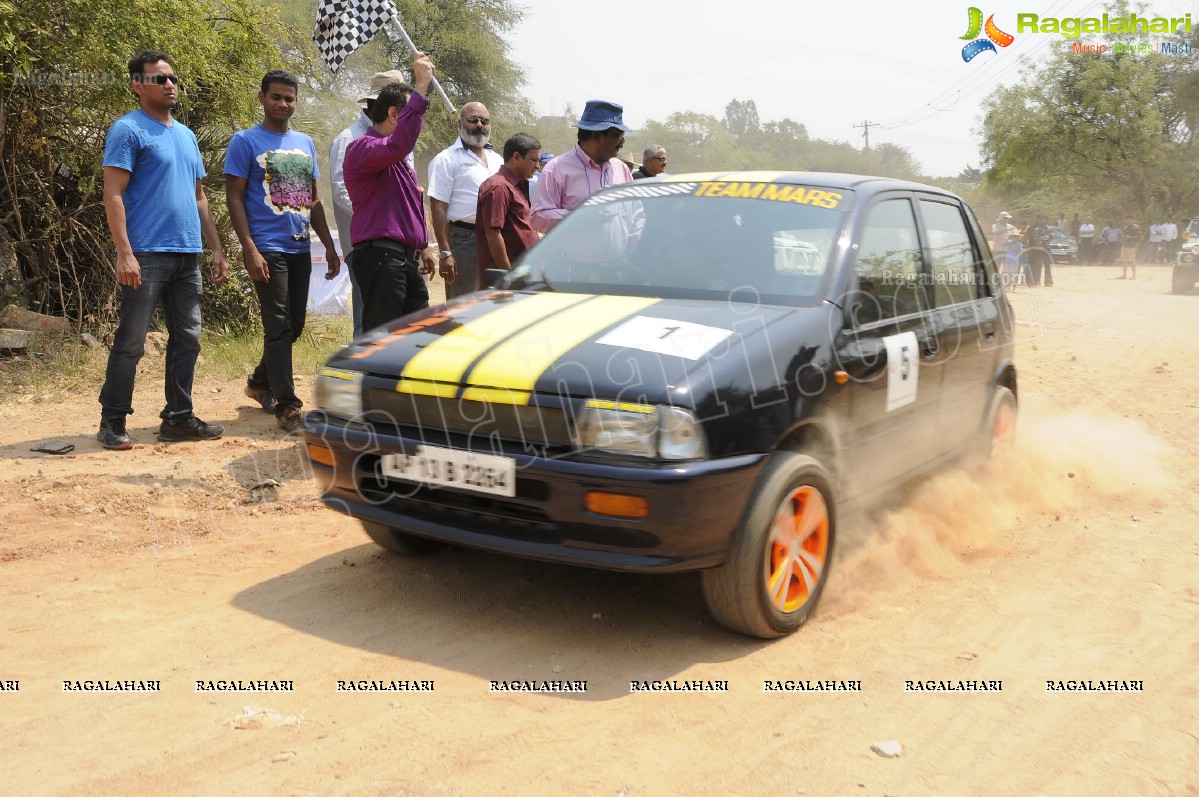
(575, 175)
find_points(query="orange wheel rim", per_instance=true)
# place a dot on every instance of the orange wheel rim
(798, 549)
(1003, 436)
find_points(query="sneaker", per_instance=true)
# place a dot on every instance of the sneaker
(113, 435)
(191, 429)
(290, 420)
(263, 396)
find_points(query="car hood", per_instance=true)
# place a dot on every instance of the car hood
(504, 346)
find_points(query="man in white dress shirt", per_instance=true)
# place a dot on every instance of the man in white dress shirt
(455, 175)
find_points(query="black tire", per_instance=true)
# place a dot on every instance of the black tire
(398, 542)
(1181, 280)
(738, 593)
(998, 432)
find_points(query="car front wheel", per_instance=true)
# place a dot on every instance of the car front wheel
(398, 542)
(781, 553)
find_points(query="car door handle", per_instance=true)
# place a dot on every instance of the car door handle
(989, 331)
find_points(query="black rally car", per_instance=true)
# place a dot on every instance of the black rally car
(688, 373)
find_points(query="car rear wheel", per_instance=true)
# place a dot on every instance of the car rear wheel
(398, 542)
(781, 553)
(998, 435)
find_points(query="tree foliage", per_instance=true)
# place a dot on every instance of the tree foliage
(63, 81)
(1105, 134)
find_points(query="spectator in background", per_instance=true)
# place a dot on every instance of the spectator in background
(1111, 243)
(455, 175)
(546, 157)
(1062, 224)
(1130, 238)
(343, 208)
(1157, 237)
(1086, 240)
(271, 193)
(1001, 231)
(1171, 236)
(573, 176)
(1040, 261)
(653, 162)
(388, 229)
(156, 211)
(502, 227)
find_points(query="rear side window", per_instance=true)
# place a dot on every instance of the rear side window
(955, 275)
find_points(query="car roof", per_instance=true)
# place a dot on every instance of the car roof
(859, 183)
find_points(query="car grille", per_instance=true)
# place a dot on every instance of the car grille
(527, 425)
(520, 517)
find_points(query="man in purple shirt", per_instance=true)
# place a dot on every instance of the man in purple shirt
(388, 230)
(573, 176)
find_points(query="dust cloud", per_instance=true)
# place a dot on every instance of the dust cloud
(936, 527)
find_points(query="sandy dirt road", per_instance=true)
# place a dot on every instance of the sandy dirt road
(1077, 561)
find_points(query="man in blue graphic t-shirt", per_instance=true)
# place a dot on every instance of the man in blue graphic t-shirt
(270, 187)
(156, 211)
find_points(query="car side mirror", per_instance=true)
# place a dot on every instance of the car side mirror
(493, 277)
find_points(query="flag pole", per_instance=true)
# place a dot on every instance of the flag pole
(395, 20)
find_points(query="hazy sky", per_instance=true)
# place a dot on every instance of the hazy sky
(827, 65)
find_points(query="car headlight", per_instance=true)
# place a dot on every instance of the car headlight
(339, 392)
(641, 430)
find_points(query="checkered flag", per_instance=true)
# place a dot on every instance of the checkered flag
(342, 26)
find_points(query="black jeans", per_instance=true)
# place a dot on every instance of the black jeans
(466, 255)
(284, 302)
(391, 283)
(172, 278)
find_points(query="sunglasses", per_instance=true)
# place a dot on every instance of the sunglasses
(159, 80)
(478, 120)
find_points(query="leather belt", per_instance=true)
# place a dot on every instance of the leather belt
(463, 225)
(391, 244)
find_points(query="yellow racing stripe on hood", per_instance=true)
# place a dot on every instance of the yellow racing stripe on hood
(442, 364)
(508, 372)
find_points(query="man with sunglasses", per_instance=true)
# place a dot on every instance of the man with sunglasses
(156, 211)
(270, 189)
(455, 175)
(575, 175)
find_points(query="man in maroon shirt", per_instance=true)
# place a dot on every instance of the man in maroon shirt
(502, 228)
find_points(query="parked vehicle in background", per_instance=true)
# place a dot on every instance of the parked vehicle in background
(1186, 262)
(1062, 247)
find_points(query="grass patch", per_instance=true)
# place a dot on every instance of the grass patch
(50, 369)
(233, 356)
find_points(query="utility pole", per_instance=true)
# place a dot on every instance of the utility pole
(866, 125)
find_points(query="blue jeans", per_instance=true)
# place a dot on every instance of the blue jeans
(172, 278)
(284, 303)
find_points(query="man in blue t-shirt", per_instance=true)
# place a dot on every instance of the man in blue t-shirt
(270, 187)
(156, 211)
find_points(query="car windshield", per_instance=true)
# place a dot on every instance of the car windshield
(735, 241)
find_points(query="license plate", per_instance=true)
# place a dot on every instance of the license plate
(447, 467)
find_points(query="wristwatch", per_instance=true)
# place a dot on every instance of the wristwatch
(446, 253)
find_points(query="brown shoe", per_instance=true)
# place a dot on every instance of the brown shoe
(261, 395)
(291, 421)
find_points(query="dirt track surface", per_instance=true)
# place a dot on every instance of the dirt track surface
(208, 561)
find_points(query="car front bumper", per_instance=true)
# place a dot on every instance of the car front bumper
(693, 507)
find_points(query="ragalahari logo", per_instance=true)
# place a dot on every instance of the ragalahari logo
(994, 35)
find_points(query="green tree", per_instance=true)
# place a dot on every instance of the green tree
(1104, 134)
(63, 83)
